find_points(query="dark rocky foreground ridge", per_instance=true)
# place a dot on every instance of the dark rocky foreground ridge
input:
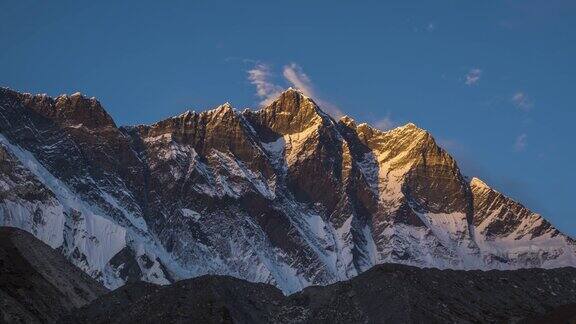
(284, 195)
(38, 285)
(387, 293)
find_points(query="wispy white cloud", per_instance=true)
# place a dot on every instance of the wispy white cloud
(521, 142)
(521, 101)
(296, 76)
(262, 75)
(473, 76)
(431, 27)
(266, 90)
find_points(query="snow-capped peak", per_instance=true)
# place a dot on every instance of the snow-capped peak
(476, 182)
(296, 90)
(184, 114)
(348, 121)
(409, 127)
(225, 107)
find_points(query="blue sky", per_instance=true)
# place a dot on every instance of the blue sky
(493, 81)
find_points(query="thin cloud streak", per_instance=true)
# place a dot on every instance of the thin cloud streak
(473, 77)
(260, 76)
(521, 143)
(295, 75)
(521, 101)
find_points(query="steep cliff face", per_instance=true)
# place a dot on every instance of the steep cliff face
(284, 195)
(70, 147)
(423, 205)
(506, 230)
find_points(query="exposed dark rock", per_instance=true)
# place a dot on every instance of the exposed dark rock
(37, 284)
(127, 266)
(560, 315)
(387, 293)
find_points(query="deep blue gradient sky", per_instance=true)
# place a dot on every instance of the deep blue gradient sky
(493, 81)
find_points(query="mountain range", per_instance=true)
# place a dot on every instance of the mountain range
(284, 195)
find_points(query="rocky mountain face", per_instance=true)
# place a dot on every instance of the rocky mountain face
(284, 195)
(37, 284)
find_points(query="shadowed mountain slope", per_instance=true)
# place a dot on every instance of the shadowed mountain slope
(384, 294)
(37, 284)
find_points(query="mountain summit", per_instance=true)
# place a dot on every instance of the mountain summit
(284, 195)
